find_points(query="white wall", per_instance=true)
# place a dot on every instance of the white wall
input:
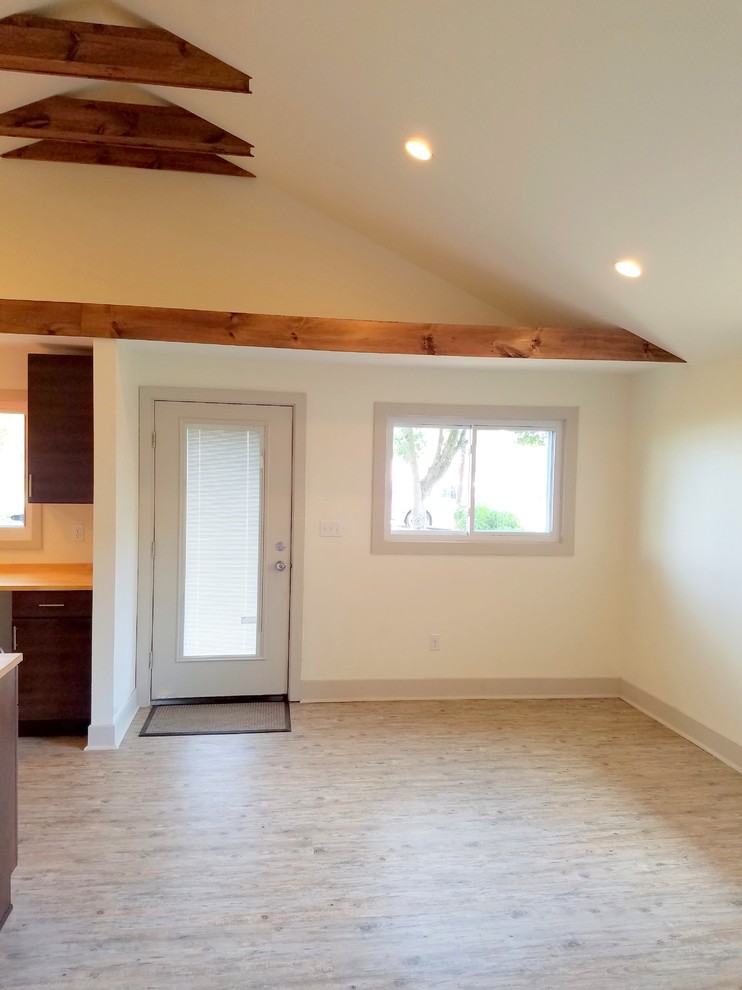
(369, 616)
(685, 620)
(127, 515)
(115, 558)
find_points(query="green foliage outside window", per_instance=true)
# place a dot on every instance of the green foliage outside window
(488, 520)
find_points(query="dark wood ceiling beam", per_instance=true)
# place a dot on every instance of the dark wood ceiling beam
(63, 118)
(320, 334)
(76, 153)
(29, 43)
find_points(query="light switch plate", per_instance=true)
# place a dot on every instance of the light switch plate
(329, 527)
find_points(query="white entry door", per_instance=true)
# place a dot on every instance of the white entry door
(222, 540)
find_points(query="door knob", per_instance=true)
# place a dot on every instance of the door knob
(281, 546)
(280, 566)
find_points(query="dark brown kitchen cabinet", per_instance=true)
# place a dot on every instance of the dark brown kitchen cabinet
(53, 631)
(8, 805)
(60, 428)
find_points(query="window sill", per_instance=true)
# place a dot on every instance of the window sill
(27, 538)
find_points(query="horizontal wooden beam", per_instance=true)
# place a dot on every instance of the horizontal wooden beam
(76, 153)
(30, 43)
(195, 326)
(171, 128)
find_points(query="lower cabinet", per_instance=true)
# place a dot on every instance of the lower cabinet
(53, 632)
(8, 813)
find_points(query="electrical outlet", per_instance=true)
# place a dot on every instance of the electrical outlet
(78, 533)
(435, 641)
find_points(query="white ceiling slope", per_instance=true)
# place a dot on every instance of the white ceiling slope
(567, 134)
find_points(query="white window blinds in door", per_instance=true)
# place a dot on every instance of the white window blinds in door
(222, 552)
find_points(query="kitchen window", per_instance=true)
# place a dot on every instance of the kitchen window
(20, 523)
(474, 480)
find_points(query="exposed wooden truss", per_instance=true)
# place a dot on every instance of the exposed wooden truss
(128, 157)
(29, 43)
(104, 122)
(61, 319)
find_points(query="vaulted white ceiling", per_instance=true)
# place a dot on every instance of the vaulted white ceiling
(567, 134)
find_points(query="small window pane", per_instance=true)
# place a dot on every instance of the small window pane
(513, 481)
(12, 470)
(223, 516)
(430, 478)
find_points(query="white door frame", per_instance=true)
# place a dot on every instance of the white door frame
(147, 398)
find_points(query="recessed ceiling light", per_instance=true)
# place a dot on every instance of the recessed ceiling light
(628, 268)
(419, 149)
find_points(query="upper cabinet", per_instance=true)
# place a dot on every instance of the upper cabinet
(60, 428)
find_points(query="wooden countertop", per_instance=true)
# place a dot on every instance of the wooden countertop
(8, 662)
(46, 577)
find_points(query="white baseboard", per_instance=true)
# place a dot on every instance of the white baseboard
(111, 736)
(713, 742)
(462, 688)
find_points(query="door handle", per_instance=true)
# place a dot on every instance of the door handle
(280, 565)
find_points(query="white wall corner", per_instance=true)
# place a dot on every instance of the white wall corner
(111, 736)
(701, 735)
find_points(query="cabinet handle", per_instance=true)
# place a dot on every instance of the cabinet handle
(58, 605)
(15, 639)
(30, 487)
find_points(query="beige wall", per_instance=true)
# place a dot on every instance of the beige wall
(369, 616)
(685, 621)
(57, 520)
(191, 241)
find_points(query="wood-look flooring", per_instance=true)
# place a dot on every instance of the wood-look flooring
(458, 845)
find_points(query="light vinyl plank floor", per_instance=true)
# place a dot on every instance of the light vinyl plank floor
(535, 845)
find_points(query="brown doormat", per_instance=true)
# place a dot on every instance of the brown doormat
(217, 718)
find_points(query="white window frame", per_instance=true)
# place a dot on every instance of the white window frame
(27, 537)
(562, 420)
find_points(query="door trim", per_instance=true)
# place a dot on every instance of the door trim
(147, 397)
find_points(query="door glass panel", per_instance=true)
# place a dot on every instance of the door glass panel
(221, 571)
